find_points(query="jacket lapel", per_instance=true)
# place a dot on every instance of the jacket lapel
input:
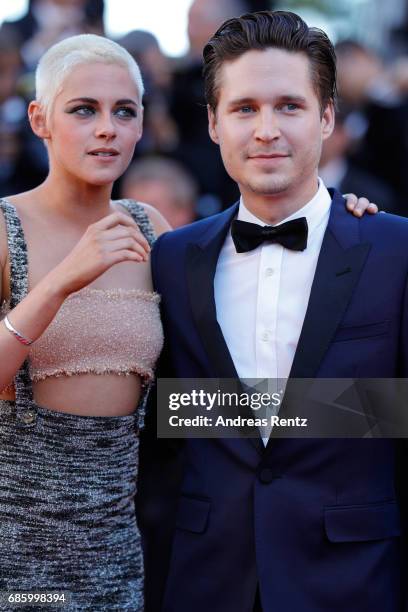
(201, 264)
(339, 266)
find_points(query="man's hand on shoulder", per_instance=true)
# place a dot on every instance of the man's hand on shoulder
(359, 206)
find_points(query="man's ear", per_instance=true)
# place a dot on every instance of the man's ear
(328, 120)
(38, 120)
(212, 125)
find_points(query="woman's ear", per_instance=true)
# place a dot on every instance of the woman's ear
(38, 120)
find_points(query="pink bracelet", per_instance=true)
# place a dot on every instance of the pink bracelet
(15, 333)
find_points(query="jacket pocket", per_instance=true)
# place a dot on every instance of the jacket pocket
(192, 514)
(355, 332)
(362, 523)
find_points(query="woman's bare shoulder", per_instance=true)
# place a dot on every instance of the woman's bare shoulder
(19, 201)
(160, 225)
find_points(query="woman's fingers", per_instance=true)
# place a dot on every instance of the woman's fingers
(359, 206)
(128, 243)
(125, 255)
(117, 220)
(363, 205)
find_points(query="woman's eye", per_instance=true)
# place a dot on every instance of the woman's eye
(83, 111)
(125, 112)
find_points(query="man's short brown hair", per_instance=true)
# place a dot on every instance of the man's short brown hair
(263, 30)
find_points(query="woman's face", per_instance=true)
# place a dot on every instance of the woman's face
(95, 123)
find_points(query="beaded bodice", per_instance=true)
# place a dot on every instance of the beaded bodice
(101, 331)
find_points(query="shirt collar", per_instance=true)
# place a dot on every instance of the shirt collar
(315, 211)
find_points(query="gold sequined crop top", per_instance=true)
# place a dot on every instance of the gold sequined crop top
(100, 331)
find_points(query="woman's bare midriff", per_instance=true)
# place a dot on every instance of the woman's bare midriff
(87, 394)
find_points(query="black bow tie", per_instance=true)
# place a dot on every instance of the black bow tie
(291, 235)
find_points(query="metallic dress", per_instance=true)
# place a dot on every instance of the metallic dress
(68, 482)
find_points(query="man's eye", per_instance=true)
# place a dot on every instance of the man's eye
(125, 111)
(246, 109)
(290, 107)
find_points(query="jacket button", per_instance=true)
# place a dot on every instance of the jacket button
(28, 417)
(267, 475)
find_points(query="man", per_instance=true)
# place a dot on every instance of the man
(166, 185)
(296, 525)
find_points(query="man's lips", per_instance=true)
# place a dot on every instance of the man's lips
(268, 155)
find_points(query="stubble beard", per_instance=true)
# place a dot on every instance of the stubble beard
(271, 185)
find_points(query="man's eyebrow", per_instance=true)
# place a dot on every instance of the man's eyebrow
(283, 98)
(93, 101)
(293, 98)
(241, 101)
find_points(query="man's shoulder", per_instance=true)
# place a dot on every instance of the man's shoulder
(384, 225)
(197, 230)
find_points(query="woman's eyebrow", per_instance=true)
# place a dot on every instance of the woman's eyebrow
(93, 101)
(88, 100)
(126, 101)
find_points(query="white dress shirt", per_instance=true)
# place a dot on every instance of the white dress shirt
(261, 296)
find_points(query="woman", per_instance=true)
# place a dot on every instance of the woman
(77, 291)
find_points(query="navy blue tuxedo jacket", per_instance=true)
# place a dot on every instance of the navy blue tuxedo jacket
(316, 524)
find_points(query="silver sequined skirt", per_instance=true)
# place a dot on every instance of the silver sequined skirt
(67, 516)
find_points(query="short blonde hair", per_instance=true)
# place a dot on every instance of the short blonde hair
(60, 59)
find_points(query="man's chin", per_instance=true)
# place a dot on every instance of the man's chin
(270, 188)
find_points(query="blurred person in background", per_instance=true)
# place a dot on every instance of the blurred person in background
(160, 130)
(12, 113)
(46, 22)
(195, 149)
(378, 104)
(49, 21)
(166, 185)
(337, 170)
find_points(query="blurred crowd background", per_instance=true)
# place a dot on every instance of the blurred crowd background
(176, 166)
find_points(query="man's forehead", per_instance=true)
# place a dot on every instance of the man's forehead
(267, 60)
(271, 68)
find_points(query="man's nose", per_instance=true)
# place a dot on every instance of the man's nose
(267, 126)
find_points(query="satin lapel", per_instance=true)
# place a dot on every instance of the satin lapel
(201, 263)
(341, 260)
(336, 276)
(201, 267)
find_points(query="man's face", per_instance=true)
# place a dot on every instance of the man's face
(269, 124)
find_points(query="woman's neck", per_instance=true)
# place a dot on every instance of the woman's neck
(76, 202)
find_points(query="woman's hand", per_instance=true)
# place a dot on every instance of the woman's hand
(359, 206)
(111, 240)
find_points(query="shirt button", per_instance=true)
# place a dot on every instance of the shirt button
(28, 417)
(265, 337)
(268, 271)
